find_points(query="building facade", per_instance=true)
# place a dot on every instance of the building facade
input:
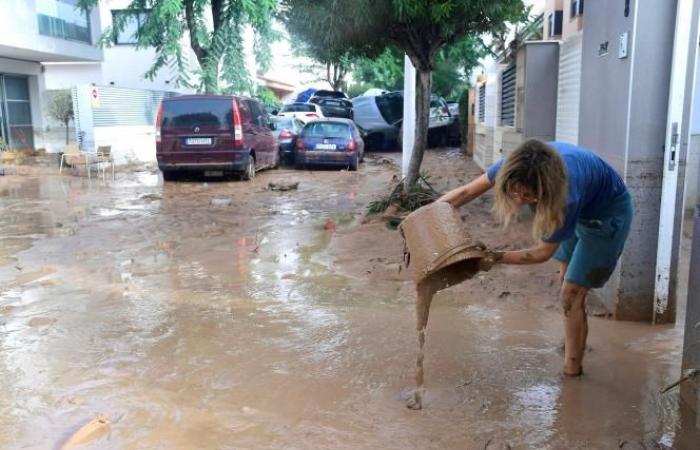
(35, 32)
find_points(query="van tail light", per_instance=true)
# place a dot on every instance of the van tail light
(237, 127)
(300, 144)
(285, 134)
(351, 145)
(446, 110)
(311, 115)
(159, 118)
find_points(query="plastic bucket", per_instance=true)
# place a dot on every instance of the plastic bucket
(437, 247)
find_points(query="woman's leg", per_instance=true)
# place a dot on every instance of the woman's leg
(573, 297)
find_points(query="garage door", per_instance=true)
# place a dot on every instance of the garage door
(569, 90)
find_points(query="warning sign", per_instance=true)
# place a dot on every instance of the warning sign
(94, 97)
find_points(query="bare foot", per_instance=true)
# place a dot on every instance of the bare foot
(573, 373)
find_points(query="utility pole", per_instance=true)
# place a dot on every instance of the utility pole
(409, 113)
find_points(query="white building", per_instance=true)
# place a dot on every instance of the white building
(36, 32)
(48, 45)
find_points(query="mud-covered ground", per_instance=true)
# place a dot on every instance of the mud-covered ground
(219, 314)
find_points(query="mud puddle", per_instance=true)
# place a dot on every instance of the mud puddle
(256, 325)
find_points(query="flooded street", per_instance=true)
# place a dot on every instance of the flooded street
(222, 315)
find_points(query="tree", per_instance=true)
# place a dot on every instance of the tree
(453, 66)
(214, 29)
(60, 108)
(419, 28)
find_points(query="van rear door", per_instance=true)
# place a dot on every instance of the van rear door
(197, 126)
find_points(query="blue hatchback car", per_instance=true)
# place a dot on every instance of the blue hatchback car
(330, 142)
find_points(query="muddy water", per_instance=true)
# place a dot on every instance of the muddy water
(192, 324)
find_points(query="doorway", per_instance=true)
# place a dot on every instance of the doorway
(15, 112)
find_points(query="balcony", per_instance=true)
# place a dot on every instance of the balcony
(63, 19)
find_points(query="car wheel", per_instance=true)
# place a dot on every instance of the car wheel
(353, 165)
(249, 173)
(169, 175)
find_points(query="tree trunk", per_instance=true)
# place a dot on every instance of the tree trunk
(422, 119)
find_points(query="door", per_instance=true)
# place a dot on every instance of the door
(569, 89)
(15, 112)
(264, 141)
(676, 146)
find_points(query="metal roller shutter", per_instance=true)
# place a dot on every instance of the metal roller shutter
(569, 90)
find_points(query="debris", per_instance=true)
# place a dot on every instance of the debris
(692, 374)
(88, 432)
(504, 294)
(329, 225)
(36, 322)
(151, 197)
(220, 202)
(283, 186)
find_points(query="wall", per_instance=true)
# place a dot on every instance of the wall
(693, 164)
(571, 26)
(629, 132)
(540, 102)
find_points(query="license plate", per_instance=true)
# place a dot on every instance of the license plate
(213, 173)
(198, 141)
(325, 147)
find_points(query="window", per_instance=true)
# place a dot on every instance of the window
(508, 97)
(298, 107)
(210, 113)
(63, 19)
(327, 130)
(555, 23)
(576, 8)
(482, 102)
(131, 22)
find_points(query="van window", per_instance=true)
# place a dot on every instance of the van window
(210, 113)
(327, 130)
(298, 107)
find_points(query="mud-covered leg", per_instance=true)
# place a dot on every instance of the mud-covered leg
(573, 299)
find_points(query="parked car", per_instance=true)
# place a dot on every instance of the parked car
(381, 119)
(327, 94)
(334, 107)
(214, 134)
(453, 106)
(302, 111)
(287, 129)
(330, 142)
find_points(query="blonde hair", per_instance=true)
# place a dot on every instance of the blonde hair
(539, 168)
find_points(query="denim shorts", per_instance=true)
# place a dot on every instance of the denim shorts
(592, 252)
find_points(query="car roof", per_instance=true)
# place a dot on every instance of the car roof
(206, 97)
(333, 119)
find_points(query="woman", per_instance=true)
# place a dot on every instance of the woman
(582, 216)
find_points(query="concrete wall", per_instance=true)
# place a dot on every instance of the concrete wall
(629, 132)
(540, 102)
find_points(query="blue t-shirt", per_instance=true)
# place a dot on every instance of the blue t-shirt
(593, 185)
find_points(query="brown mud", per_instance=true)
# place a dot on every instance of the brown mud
(439, 253)
(281, 320)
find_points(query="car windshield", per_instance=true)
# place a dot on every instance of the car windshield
(327, 130)
(298, 107)
(390, 107)
(216, 113)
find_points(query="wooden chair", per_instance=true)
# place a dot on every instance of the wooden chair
(104, 158)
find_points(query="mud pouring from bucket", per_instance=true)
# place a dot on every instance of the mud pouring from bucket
(439, 253)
